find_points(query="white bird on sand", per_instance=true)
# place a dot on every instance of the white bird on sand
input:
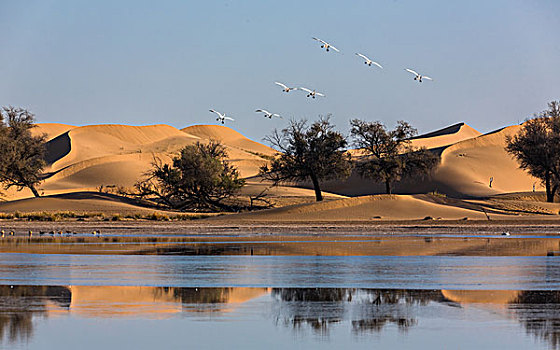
(418, 77)
(284, 87)
(268, 114)
(368, 61)
(326, 45)
(221, 116)
(311, 93)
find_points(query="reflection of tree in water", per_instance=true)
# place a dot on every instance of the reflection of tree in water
(19, 304)
(199, 295)
(368, 309)
(539, 313)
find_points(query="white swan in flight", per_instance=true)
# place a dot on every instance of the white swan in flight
(368, 61)
(326, 45)
(418, 77)
(267, 114)
(311, 93)
(221, 116)
(284, 87)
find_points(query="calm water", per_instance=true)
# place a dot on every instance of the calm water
(67, 301)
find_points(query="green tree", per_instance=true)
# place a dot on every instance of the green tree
(388, 156)
(200, 177)
(21, 154)
(537, 148)
(316, 153)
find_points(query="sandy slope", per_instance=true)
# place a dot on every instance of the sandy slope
(467, 166)
(384, 207)
(81, 202)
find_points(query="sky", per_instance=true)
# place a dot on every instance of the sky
(494, 62)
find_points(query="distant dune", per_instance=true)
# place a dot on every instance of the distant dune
(465, 169)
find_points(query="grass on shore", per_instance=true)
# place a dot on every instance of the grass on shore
(70, 215)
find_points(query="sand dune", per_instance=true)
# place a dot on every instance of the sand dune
(91, 202)
(465, 169)
(83, 158)
(384, 207)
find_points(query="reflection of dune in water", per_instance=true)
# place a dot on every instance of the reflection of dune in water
(155, 302)
(481, 296)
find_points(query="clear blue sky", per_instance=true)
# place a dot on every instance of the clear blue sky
(494, 62)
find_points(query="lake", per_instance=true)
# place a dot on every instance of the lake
(221, 300)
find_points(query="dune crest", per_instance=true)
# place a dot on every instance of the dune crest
(51, 130)
(446, 136)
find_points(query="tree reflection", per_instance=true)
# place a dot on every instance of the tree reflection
(20, 304)
(369, 310)
(539, 313)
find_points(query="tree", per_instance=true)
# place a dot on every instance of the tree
(388, 156)
(314, 153)
(200, 177)
(22, 155)
(537, 148)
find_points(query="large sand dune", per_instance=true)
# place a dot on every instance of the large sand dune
(84, 158)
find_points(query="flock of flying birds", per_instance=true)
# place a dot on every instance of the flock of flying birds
(221, 117)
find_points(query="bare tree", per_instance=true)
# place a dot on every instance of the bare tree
(21, 154)
(388, 156)
(316, 153)
(537, 148)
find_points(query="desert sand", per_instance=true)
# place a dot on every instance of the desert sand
(82, 159)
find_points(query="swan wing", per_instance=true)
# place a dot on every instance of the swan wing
(319, 40)
(377, 64)
(411, 71)
(280, 84)
(425, 77)
(305, 89)
(362, 56)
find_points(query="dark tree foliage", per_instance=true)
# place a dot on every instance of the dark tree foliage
(199, 178)
(316, 153)
(537, 148)
(21, 154)
(388, 156)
